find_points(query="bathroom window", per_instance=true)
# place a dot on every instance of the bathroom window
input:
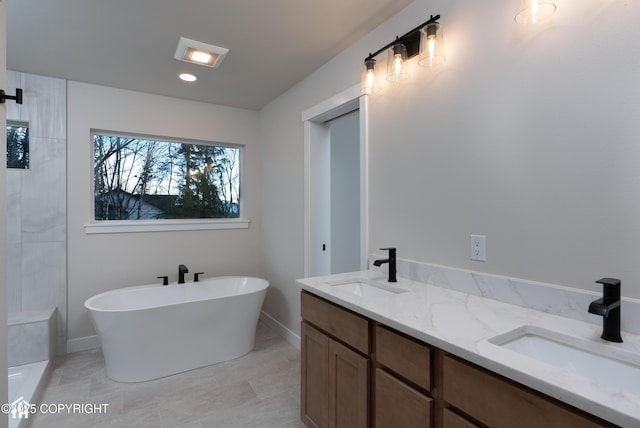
(144, 178)
(17, 145)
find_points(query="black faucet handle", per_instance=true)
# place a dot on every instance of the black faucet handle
(392, 251)
(610, 289)
(165, 280)
(196, 276)
(609, 281)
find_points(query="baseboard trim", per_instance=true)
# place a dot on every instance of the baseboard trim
(279, 328)
(83, 344)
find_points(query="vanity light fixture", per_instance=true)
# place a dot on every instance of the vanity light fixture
(369, 80)
(425, 40)
(199, 53)
(534, 11)
(431, 45)
(397, 67)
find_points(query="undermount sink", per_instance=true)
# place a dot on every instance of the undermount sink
(606, 366)
(365, 288)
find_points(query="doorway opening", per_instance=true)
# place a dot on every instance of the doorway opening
(336, 238)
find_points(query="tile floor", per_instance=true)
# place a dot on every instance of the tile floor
(260, 389)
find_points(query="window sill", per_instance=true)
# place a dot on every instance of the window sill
(136, 226)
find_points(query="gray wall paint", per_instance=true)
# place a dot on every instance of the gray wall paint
(527, 135)
(345, 193)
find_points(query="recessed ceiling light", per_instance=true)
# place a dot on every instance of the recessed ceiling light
(199, 53)
(201, 57)
(188, 77)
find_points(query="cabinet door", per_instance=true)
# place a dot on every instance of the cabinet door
(397, 405)
(348, 388)
(314, 381)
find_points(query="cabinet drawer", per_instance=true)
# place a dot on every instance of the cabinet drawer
(338, 322)
(498, 402)
(397, 405)
(453, 420)
(404, 356)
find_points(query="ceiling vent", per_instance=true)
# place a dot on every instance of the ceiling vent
(199, 53)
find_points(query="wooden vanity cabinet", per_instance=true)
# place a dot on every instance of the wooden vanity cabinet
(358, 373)
(335, 365)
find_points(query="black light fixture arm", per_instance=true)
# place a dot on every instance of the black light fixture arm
(410, 36)
(17, 97)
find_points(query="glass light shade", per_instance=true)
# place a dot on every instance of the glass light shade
(431, 45)
(397, 67)
(534, 11)
(370, 84)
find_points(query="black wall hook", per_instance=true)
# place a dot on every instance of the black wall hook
(17, 97)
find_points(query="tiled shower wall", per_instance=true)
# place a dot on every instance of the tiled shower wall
(36, 202)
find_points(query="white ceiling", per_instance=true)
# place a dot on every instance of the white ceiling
(273, 44)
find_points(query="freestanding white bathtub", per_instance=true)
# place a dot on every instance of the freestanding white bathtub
(154, 331)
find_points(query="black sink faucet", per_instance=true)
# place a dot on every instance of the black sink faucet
(182, 269)
(608, 307)
(392, 263)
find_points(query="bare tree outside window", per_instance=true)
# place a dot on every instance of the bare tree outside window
(17, 145)
(144, 179)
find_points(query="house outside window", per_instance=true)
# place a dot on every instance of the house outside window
(17, 145)
(148, 178)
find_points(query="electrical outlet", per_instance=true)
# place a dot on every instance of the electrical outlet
(478, 248)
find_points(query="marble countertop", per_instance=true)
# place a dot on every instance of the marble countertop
(463, 324)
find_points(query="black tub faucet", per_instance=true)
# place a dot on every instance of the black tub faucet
(608, 307)
(182, 269)
(392, 263)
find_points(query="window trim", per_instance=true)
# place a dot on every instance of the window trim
(136, 226)
(166, 225)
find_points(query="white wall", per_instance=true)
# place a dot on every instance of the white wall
(527, 134)
(98, 263)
